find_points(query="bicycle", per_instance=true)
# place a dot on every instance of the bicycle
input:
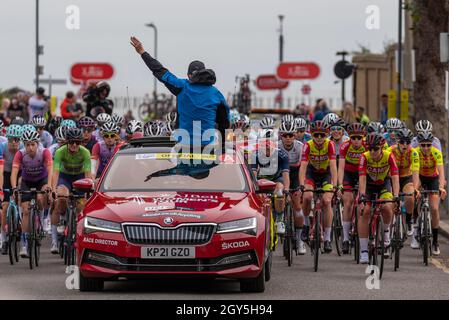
(353, 231)
(399, 230)
(376, 245)
(424, 235)
(337, 226)
(316, 231)
(13, 230)
(36, 228)
(290, 234)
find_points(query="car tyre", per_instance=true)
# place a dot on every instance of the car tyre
(90, 284)
(268, 266)
(254, 285)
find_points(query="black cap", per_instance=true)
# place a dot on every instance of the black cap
(195, 66)
(40, 90)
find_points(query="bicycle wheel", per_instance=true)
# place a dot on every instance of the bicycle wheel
(11, 236)
(31, 239)
(380, 234)
(397, 241)
(71, 238)
(425, 239)
(289, 234)
(337, 227)
(355, 241)
(37, 241)
(316, 240)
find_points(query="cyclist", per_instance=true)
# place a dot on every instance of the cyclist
(348, 174)
(54, 124)
(425, 126)
(287, 118)
(39, 123)
(392, 125)
(87, 126)
(36, 165)
(267, 127)
(2, 130)
(338, 135)
(72, 162)
(407, 160)
(134, 130)
(431, 175)
(294, 149)
(119, 121)
(301, 134)
(379, 128)
(60, 141)
(153, 129)
(102, 118)
(272, 163)
(378, 173)
(7, 152)
(103, 151)
(319, 170)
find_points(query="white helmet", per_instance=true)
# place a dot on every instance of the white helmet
(288, 118)
(394, 124)
(287, 127)
(300, 123)
(103, 118)
(424, 126)
(330, 118)
(267, 123)
(134, 126)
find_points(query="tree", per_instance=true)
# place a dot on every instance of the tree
(430, 18)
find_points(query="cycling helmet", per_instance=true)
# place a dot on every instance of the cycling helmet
(73, 134)
(38, 121)
(14, 131)
(171, 116)
(287, 127)
(152, 129)
(394, 124)
(103, 118)
(267, 123)
(28, 127)
(18, 120)
(424, 136)
(375, 127)
(104, 85)
(134, 126)
(54, 124)
(109, 127)
(300, 123)
(356, 129)
(29, 135)
(68, 123)
(60, 134)
(404, 134)
(329, 119)
(288, 118)
(375, 139)
(234, 116)
(266, 133)
(170, 126)
(118, 120)
(318, 126)
(2, 125)
(423, 125)
(86, 122)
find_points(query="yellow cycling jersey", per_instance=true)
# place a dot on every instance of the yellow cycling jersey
(319, 159)
(428, 162)
(377, 171)
(407, 162)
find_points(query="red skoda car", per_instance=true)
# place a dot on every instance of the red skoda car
(160, 213)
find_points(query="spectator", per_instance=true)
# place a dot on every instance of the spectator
(303, 111)
(69, 108)
(3, 112)
(348, 113)
(384, 109)
(16, 109)
(37, 104)
(321, 110)
(361, 117)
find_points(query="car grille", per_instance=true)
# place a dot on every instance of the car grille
(182, 235)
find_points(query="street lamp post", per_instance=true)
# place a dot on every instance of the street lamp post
(281, 52)
(398, 99)
(37, 44)
(152, 25)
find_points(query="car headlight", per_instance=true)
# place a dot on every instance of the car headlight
(95, 224)
(248, 225)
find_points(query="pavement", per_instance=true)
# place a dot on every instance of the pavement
(337, 278)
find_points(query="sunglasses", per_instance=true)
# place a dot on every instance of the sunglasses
(374, 148)
(425, 145)
(407, 142)
(319, 135)
(288, 135)
(301, 130)
(109, 135)
(87, 130)
(72, 142)
(356, 137)
(14, 140)
(336, 128)
(40, 128)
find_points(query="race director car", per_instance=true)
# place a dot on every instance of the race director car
(156, 212)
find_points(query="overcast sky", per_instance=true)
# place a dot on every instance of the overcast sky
(233, 37)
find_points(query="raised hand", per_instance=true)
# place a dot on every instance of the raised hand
(137, 45)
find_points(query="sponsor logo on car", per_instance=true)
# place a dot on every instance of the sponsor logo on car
(234, 245)
(105, 242)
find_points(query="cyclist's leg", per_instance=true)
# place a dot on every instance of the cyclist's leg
(350, 181)
(363, 224)
(434, 203)
(406, 185)
(327, 208)
(4, 209)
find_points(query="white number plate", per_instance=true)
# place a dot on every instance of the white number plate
(157, 252)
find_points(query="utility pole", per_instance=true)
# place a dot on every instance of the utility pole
(398, 100)
(37, 45)
(281, 52)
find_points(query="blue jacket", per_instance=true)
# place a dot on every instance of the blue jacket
(197, 100)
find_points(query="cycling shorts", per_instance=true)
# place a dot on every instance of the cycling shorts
(28, 185)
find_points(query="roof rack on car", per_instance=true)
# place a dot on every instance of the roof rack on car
(150, 142)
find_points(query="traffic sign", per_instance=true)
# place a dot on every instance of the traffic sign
(91, 71)
(270, 82)
(298, 70)
(343, 69)
(306, 89)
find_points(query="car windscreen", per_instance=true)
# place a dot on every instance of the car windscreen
(162, 171)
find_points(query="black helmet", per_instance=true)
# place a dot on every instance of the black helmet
(375, 127)
(404, 134)
(74, 134)
(425, 136)
(355, 129)
(18, 120)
